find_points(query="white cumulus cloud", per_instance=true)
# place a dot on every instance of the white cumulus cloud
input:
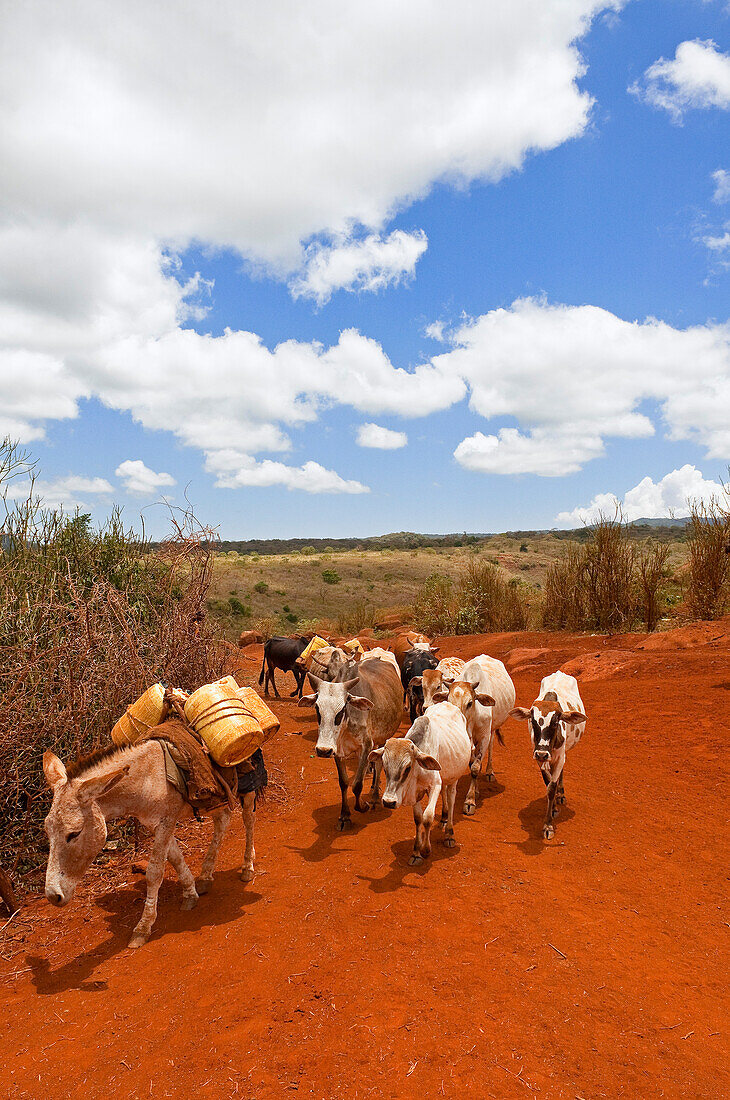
(670, 496)
(370, 264)
(721, 179)
(698, 76)
(62, 492)
(235, 470)
(573, 376)
(140, 480)
(384, 439)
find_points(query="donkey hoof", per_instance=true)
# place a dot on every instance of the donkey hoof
(203, 885)
(470, 808)
(247, 874)
(189, 903)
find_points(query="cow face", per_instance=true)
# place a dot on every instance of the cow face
(403, 765)
(333, 703)
(547, 727)
(464, 696)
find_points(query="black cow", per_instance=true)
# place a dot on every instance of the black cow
(414, 664)
(282, 653)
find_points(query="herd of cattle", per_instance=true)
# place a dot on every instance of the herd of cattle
(456, 710)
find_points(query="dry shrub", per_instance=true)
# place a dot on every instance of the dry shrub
(708, 578)
(88, 620)
(608, 583)
(484, 602)
(356, 618)
(268, 626)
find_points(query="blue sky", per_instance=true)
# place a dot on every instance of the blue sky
(158, 216)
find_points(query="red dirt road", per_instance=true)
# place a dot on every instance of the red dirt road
(593, 965)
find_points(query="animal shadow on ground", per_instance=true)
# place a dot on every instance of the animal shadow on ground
(395, 877)
(532, 819)
(225, 903)
(326, 830)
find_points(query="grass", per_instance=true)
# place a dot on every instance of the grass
(374, 579)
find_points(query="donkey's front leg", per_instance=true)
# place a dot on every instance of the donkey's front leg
(155, 870)
(248, 805)
(184, 874)
(221, 821)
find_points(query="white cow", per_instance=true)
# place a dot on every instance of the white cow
(381, 655)
(485, 695)
(557, 719)
(428, 761)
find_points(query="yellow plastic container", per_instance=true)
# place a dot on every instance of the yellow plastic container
(225, 723)
(353, 646)
(315, 644)
(264, 715)
(140, 717)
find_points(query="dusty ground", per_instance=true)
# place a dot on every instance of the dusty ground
(594, 965)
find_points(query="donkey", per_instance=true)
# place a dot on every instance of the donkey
(128, 782)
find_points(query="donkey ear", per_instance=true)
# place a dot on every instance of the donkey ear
(99, 785)
(53, 769)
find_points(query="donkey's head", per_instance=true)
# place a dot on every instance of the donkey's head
(75, 825)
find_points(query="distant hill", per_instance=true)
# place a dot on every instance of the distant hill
(668, 529)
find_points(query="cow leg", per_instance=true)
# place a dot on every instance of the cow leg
(490, 771)
(448, 795)
(560, 800)
(221, 821)
(155, 870)
(424, 820)
(248, 806)
(417, 857)
(444, 807)
(299, 677)
(375, 785)
(184, 874)
(270, 676)
(470, 803)
(361, 807)
(345, 821)
(548, 829)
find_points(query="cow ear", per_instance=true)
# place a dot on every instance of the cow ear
(359, 702)
(375, 755)
(307, 701)
(435, 648)
(440, 696)
(53, 769)
(430, 763)
(485, 700)
(415, 682)
(94, 788)
(571, 716)
(520, 713)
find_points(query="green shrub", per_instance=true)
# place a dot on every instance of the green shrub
(261, 587)
(237, 607)
(331, 576)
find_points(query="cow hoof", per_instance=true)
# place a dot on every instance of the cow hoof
(247, 874)
(491, 777)
(139, 939)
(362, 809)
(344, 823)
(548, 832)
(189, 903)
(293, 693)
(560, 799)
(415, 861)
(470, 808)
(449, 842)
(203, 885)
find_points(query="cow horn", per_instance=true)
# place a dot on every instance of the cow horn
(349, 684)
(314, 681)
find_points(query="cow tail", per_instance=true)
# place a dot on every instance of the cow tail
(263, 667)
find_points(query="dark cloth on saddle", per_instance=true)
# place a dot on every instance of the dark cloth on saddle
(201, 782)
(252, 774)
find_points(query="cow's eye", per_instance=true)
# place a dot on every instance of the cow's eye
(469, 705)
(406, 771)
(72, 836)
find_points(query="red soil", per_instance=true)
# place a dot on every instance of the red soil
(593, 965)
